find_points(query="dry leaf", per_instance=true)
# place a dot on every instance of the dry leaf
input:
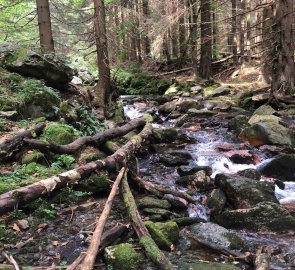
(15, 227)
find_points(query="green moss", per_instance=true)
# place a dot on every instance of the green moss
(123, 257)
(150, 202)
(90, 154)
(5, 187)
(4, 125)
(33, 156)
(59, 134)
(165, 135)
(164, 234)
(96, 183)
(147, 117)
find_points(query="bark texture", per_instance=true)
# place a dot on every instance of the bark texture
(10, 200)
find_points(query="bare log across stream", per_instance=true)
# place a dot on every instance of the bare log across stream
(145, 239)
(10, 200)
(10, 147)
(96, 139)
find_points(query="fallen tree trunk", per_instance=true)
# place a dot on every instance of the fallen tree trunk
(96, 139)
(261, 260)
(145, 239)
(89, 260)
(10, 147)
(10, 200)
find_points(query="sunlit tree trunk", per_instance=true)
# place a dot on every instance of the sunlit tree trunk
(146, 40)
(104, 83)
(44, 23)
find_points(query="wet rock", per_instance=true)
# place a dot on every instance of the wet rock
(281, 167)
(167, 108)
(216, 201)
(263, 216)
(251, 174)
(193, 263)
(122, 257)
(185, 180)
(201, 181)
(190, 170)
(164, 234)
(242, 192)
(215, 236)
(220, 91)
(185, 221)
(150, 202)
(238, 123)
(175, 158)
(268, 133)
(240, 156)
(222, 107)
(176, 202)
(165, 135)
(185, 105)
(165, 214)
(200, 113)
(30, 64)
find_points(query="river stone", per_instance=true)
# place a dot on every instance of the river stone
(264, 110)
(176, 202)
(165, 214)
(201, 181)
(250, 173)
(201, 113)
(281, 167)
(243, 192)
(31, 64)
(264, 118)
(165, 234)
(268, 133)
(185, 221)
(238, 123)
(263, 216)
(175, 158)
(165, 135)
(216, 201)
(150, 202)
(167, 108)
(240, 156)
(220, 91)
(214, 235)
(192, 169)
(197, 89)
(185, 105)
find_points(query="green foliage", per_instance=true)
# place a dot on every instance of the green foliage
(59, 134)
(46, 211)
(66, 161)
(18, 214)
(87, 123)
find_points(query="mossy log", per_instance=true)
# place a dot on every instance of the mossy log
(12, 199)
(145, 239)
(96, 139)
(12, 146)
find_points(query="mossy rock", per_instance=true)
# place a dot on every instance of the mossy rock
(96, 183)
(194, 264)
(149, 118)
(59, 134)
(90, 154)
(165, 135)
(4, 125)
(123, 257)
(164, 234)
(150, 202)
(157, 211)
(34, 168)
(33, 156)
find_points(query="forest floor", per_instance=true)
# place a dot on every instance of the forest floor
(218, 143)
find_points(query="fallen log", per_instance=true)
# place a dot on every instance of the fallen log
(12, 146)
(114, 235)
(96, 139)
(146, 241)
(261, 260)
(89, 260)
(10, 200)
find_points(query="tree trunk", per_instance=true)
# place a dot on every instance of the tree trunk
(44, 23)
(205, 70)
(103, 90)
(233, 38)
(181, 26)
(12, 199)
(283, 68)
(146, 41)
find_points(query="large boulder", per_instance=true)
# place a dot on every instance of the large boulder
(281, 167)
(271, 132)
(49, 67)
(216, 201)
(215, 236)
(238, 123)
(243, 192)
(59, 133)
(263, 216)
(220, 91)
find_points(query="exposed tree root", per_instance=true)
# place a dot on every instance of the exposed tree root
(96, 139)
(12, 146)
(10, 200)
(148, 244)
